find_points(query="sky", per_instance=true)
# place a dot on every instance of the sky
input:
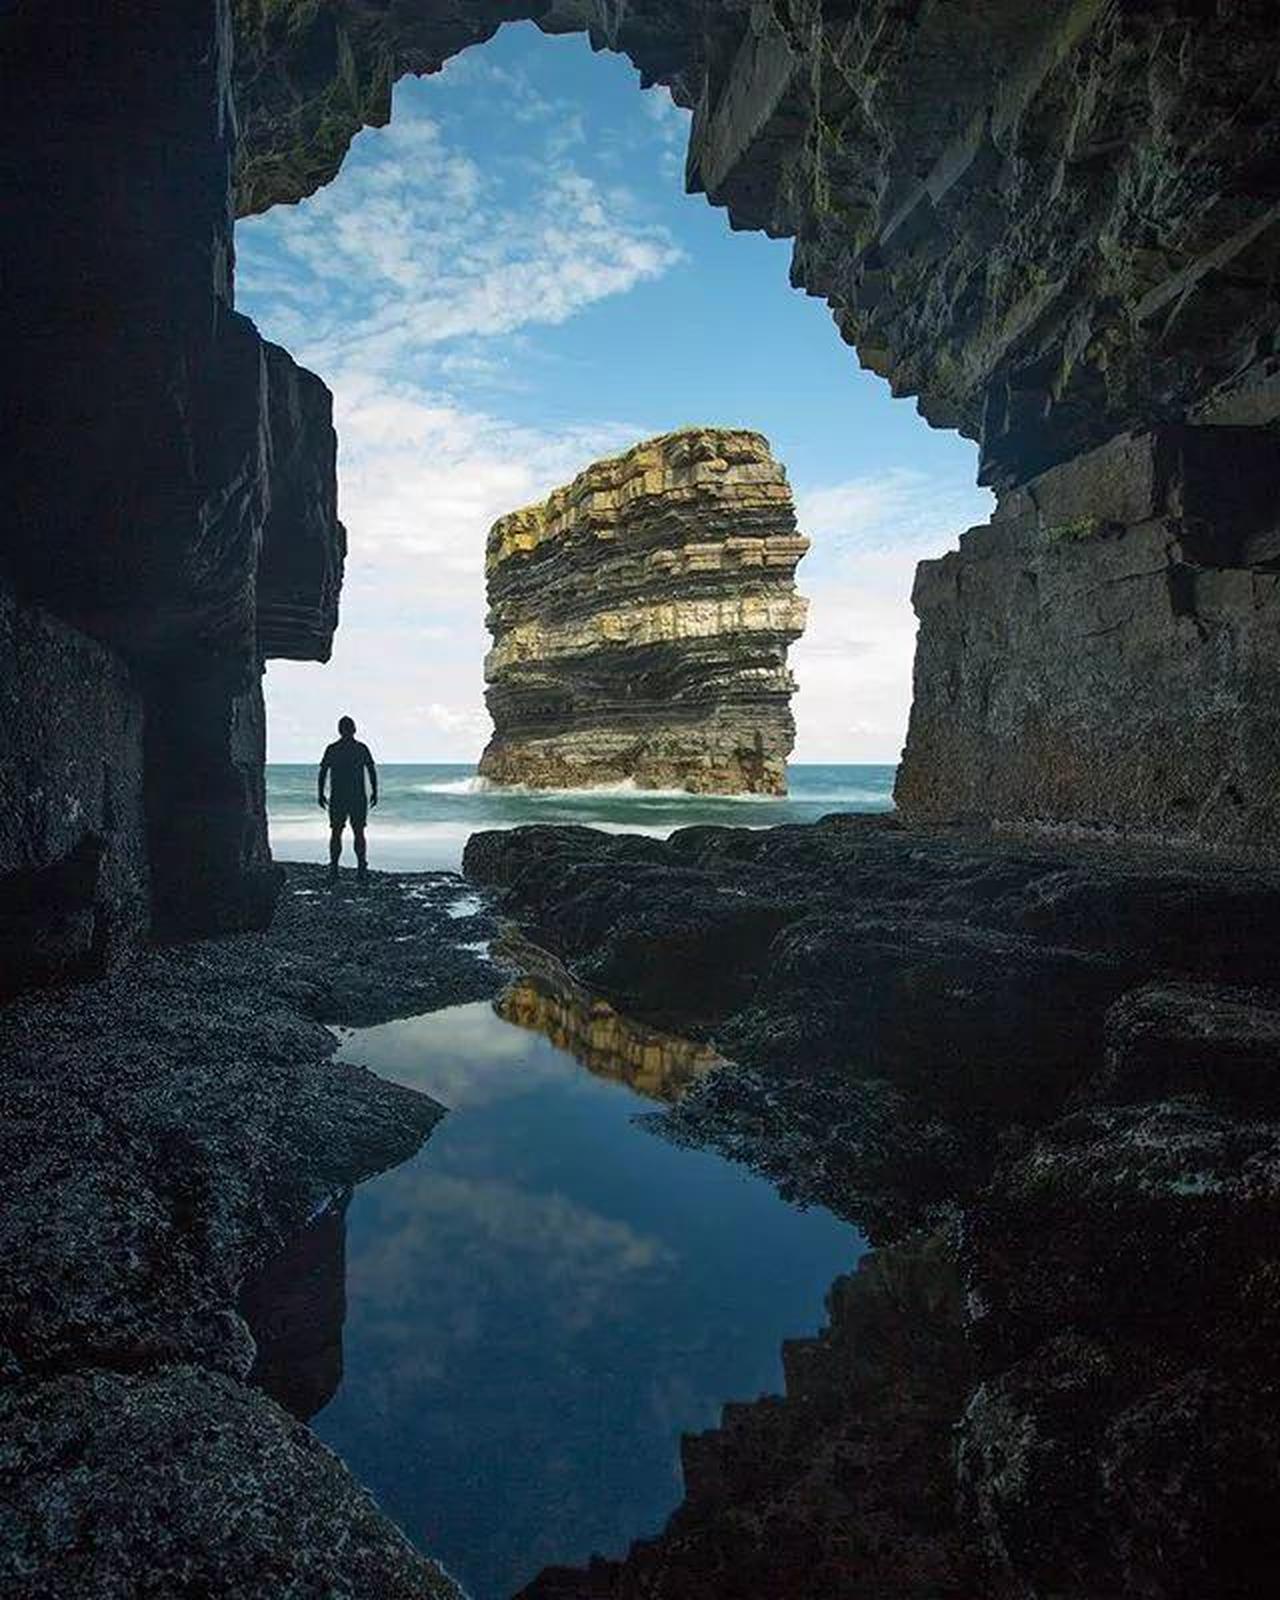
(508, 282)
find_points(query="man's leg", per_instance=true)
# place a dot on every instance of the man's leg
(362, 853)
(335, 849)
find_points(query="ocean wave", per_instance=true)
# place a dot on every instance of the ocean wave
(625, 789)
(473, 785)
(839, 797)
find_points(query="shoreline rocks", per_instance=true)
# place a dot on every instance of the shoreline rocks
(1044, 1052)
(165, 1131)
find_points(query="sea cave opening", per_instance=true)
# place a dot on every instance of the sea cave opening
(502, 286)
(532, 1186)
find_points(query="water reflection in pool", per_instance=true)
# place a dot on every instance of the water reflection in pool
(546, 1297)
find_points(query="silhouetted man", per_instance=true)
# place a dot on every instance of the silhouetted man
(344, 764)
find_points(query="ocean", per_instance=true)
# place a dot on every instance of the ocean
(426, 812)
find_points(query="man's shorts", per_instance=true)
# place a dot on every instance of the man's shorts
(343, 811)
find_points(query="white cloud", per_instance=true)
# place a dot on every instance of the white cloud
(417, 247)
(402, 284)
(887, 510)
(418, 279)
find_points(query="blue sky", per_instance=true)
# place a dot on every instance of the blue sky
(509, 281)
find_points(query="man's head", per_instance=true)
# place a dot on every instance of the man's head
(346, 727)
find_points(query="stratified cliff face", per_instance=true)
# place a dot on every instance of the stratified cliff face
(1047, 221)
(1054, 224)
(1100, 658)
(641, 617)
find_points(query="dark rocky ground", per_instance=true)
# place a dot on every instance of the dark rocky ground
(162, 1132)
(1044, 1080)
(1056, 1073)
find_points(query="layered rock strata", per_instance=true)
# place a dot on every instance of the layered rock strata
(549, 1000)
(1046, 222)
(1057, 225)
(171, 498)
(1098, 659)
(641, 617)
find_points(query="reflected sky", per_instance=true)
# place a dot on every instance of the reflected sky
(545, 1298)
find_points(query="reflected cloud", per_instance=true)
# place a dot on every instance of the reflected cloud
(442, 1234)
(458, 1057)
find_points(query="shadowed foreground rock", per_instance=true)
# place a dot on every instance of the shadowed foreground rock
(1050, 1047)
(840, 1487)
(184, 1482)
(163, 1133)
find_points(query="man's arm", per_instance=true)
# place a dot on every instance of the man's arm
(373, 776)
(320, 778)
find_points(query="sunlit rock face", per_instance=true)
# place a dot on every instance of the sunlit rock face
(641, 617)
(549, 1000)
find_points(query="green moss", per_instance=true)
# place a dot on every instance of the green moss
(1076, 529)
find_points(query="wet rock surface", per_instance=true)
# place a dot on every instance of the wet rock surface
(1055, 224)
(165, 1130)
(1043, 1051)
(180, 1481)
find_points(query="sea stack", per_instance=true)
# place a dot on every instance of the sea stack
(641, 617)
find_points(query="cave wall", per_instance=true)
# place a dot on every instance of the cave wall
(73, 860)
(1101, 658)
(160, 458)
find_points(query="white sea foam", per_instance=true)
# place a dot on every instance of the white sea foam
(427, 814)
(473, 785)
(627, 788)
(467, 905)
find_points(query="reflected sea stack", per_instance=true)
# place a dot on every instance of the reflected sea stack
(641, 617)
(547, 999)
